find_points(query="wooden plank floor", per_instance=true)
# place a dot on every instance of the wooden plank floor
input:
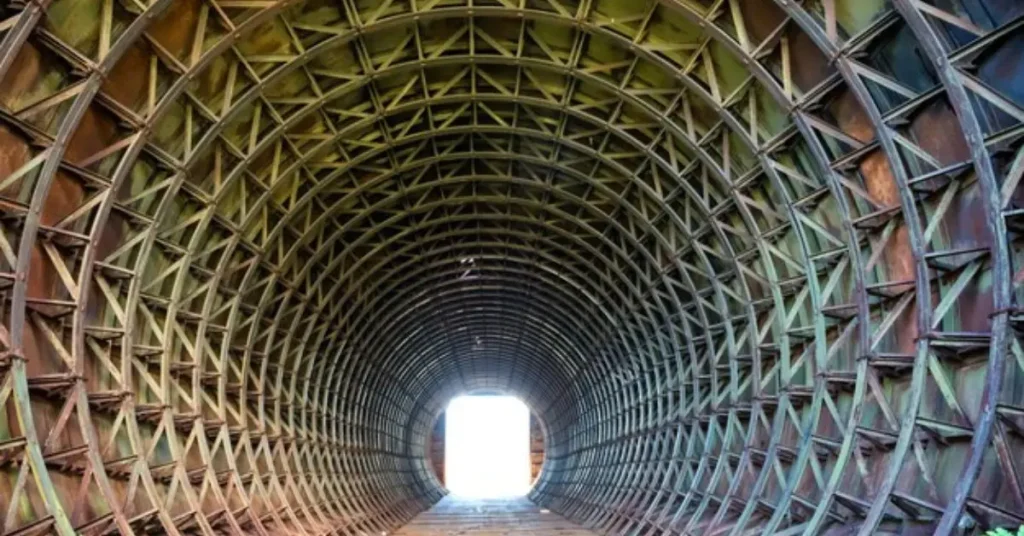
(492, 517)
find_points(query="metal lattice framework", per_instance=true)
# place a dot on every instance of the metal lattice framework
(752, 263)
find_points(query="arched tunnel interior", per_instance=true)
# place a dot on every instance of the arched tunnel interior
(753, 264)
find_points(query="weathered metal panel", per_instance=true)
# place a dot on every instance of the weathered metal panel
(755, 265)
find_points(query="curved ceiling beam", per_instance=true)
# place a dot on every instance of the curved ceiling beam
(211, 263)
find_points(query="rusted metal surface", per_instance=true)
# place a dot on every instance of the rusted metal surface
(755, 265)
(435, 449)
(536, 448)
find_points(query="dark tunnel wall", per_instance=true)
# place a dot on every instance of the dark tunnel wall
(754, 264)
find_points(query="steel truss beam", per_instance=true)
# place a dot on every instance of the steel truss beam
(752, 263)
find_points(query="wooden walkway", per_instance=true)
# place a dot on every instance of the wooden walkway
(491, 517)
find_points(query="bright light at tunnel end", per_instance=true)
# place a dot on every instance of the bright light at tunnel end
(487, 447)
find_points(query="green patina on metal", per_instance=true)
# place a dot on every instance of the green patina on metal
(753, 265)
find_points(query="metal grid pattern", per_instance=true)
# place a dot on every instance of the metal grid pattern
(751, 262)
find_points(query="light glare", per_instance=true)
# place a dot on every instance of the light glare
(487, 446)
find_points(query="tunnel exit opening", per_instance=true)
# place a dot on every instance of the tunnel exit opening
(487, 447)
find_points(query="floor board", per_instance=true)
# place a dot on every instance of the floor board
(491, 517)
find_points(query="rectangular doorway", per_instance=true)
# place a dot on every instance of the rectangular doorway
(487, 447)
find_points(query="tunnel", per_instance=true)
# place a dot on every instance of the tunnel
(751, 264)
